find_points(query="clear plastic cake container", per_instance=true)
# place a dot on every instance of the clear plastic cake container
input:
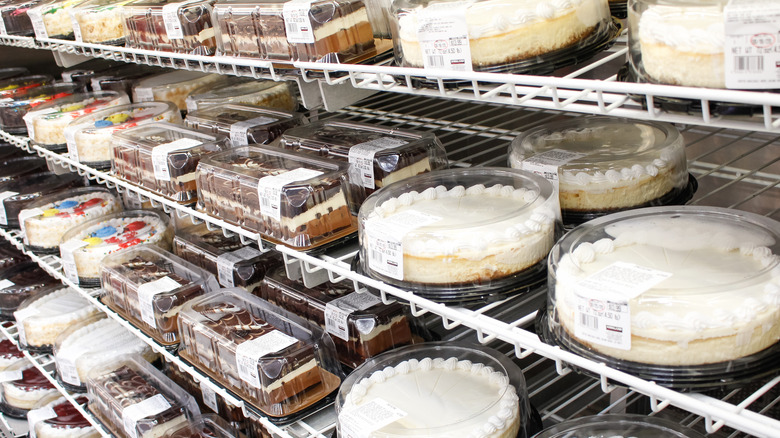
(121, 78)
(326, 30)
(513, 36)
(99, 21)
(89, 136)
(668, 291)
(148, 286)
(459, 232)
(82, 346)
(205, 426)
(54, 416)
(15, 196)
(23, 388)
(244, 124)
(43, 317)
(12, 112)
(234, 264)
(44, 221)
(46, 123)
(10, 87)
(683, 42)
(614, 425)
(437, 390)
(377, 156)
(51, 19)
(290, 198)
(16, 168)
(603, 165)
(84, 246)
(278, 363)
(15, 18)
(163, 158)
(135, 400)
(360, 325)
(170, 27)
(173, 86)
(249, 91)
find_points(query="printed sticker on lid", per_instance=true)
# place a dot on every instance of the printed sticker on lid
(132, 414)
(362, 420)
(226, 263)
(297, 22)
(239, 130)
(146, 294)
(384, 240)
(361, 158)
(160, 156)
(249, 353)
(443, 34)
(170, 15)
(752, 44)
(35, 416)
(269, 189)
(337, 312)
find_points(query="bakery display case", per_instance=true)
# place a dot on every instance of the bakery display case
(163, 158)
(244, 124)
(148, 286)
(170, 27)
(287, 197)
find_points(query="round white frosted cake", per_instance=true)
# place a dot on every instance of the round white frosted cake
(501, 32)
(51, 220)
(112, 234)
(683, 45)
(25, 393)
(721, 302)
(623, 164)
(51, 314)
(477, 233)
(443, 398)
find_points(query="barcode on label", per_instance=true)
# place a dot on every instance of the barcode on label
(589, 321)
(749, 63)
(292, 27)
(377, 256)
(436, 60)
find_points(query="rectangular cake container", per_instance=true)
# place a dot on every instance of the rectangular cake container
(209, 250)
(181, 27)
(236, 28)
(311, 212)
(396, 154)
(244, 124)
(15, 18)
(172, 86)
(171, 171)
(372, 327)
(148, 285)
(54, 19)
(298, 367)
(99, 21)
(231, 413)
(115, 386)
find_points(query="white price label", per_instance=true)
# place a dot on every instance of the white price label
(362, 421)
(143, 94)
(444, 38)
(20, 315)
(269, 189)
(23, 216)
(239, 130)
(2, 27)
(226, 263)
(752, 45)
(70, 140)
(250, 352)
(68, 260)
(160, 156)
(36, 416)
(28, 122)
(297, 22)
(5, 284)
(384, 237)
(36, 19)
(146, 294)
(209, 397)
(546, 164)
(602, 313)
(10, 376)
(3, 196)
(361, 159)
(66, 368)
(75, 24)
(147, 408)
(170, 15)
(337, 312)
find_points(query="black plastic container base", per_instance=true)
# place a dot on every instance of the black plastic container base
(732, 374)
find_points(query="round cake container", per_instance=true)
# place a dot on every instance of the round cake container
(163, 239)
(58, 345)
(12, 114)
(674, 234)
(476, 354)
(17, 412)
(618, 425)
(536, 220)
(628, 164)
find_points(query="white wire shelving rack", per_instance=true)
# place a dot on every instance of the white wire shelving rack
(735, 169)
(590, 88)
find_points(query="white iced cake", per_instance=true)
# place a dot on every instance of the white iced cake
(476, 234)
(45, 230)
(25, 393)
(683, 45)
(503, 31)
(85, 348)
(48, 316)
(49, 127)
(721, 302)
(442, 398)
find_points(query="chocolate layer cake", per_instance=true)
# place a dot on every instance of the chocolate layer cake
(113, 392)
(341, 31)
(371, 327)
(236, 28)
